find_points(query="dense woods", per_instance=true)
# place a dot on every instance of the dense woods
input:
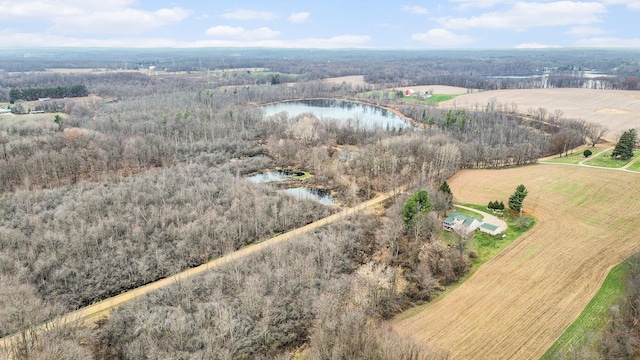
(57, 92)
(146, 177)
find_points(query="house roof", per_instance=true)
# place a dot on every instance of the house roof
(489, 227)
(467, 220)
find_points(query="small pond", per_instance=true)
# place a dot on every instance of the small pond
(274, 176)
(346, 112)
(320, 195)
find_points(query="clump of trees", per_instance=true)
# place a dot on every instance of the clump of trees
(57, 92)
(495, 205)
(587, 153)
(625, 146)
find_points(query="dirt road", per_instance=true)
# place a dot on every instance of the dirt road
(517, 304)
(103, 307)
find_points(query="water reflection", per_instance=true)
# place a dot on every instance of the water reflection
(346, 112)
(320, 195)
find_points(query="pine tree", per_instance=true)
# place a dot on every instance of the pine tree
(517, 198)
(626, 144)
(444, 187)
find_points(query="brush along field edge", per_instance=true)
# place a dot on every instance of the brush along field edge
(517, 304)
(104, 306)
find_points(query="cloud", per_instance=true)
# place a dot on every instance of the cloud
(608, 42)
(524, 15)
(442, 37)
(241, 33)
(298, 18)
(92, 17)
(478, 3)
(585, 31)
(631, 4)
(245, 14)
(534, 45)
(43, 40)
(415, 9)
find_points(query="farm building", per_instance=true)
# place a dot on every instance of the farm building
(456, 220)
(490, 229)
(410, 92)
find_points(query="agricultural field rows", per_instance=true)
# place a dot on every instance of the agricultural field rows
(516, 305)
(617, 109)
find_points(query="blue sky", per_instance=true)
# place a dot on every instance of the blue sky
(320, 24)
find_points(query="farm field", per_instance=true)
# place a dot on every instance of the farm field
(617, 109)
(517, 304)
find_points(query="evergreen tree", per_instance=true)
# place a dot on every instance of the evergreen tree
(418, 202)
(516, 199)
(444, 187)
(626, 144)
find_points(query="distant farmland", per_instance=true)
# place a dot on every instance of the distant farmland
(516, 305)
(617, 109)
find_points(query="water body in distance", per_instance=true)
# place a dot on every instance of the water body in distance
(346, 112)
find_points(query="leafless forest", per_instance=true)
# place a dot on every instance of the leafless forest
(145, 177)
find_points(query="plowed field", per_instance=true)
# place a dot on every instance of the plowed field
(517, 304)
(617, 109)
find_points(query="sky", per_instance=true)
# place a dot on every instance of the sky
(390, 24)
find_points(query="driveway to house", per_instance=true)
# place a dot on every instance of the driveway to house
(487, 218)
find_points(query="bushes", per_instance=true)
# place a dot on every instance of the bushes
(495, 205)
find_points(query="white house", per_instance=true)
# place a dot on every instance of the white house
(457, 220)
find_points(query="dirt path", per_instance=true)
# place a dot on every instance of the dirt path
(103, 307)
(517, 304)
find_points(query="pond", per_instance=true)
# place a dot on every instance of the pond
(274, 176)
(346, 112)
(320, 195)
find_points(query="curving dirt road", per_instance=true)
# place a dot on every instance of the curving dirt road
(103, 307)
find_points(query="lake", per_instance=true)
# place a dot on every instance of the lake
(346, 112)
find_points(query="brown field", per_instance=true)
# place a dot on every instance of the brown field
(352, 80)
(517, 304)
(617, 109)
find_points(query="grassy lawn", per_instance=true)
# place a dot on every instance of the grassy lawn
(487, 246)
(573, 158)
(635, 166)
(605, 160)
(583, 331)
(469, 213)
(434, 99)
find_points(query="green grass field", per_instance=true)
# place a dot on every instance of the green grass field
(434, 99)
(605, 160)
(582, 332)
(574, 157)
(635, 166)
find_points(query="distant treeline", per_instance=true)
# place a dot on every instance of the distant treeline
(55, 92)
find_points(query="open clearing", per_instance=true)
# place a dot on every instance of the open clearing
(517, 304)
(617, 109)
